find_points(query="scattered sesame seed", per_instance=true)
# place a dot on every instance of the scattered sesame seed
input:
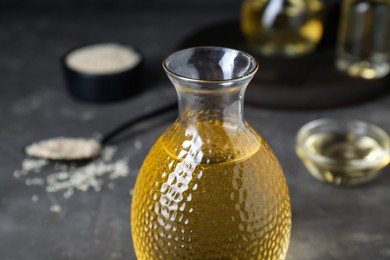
(116, 255)
(55, 208)
(138, 144)
(17, 174)
(35, 198)
(68, 193)
(67, 178)
(35, 181)
(108, 153)
(32, 165)
(86, 177)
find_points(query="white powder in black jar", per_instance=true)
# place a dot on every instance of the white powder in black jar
(103, 58)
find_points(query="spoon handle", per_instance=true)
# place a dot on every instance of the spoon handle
(134, 121)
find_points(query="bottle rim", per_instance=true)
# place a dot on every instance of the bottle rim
(246, 76)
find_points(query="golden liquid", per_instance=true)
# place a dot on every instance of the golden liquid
(211, 192)
(282, 27)
(364, 39)
(354, 159)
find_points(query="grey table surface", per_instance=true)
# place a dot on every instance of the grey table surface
(328, 222)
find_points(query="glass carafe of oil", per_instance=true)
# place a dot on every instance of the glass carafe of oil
(211, 187)
(282, 27)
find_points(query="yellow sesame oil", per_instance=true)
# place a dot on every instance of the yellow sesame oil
(282, 27)
(350, 159)
(212, 190)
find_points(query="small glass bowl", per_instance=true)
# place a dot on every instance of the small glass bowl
(343, 152)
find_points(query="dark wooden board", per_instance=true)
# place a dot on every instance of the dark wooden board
(310, 81)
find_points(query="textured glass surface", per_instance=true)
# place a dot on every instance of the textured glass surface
(211, 187)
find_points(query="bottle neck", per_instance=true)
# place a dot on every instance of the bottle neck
(224, 104)
(210, 82)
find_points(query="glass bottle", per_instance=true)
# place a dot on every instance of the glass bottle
(211, 187)
(363, 46)
(282, 27)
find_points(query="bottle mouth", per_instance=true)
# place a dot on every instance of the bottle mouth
(210, 64)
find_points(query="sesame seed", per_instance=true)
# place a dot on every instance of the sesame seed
(138, 144)
(67, 179)
(35, 198)
(103, 58)
(55, 208)
(64, 148)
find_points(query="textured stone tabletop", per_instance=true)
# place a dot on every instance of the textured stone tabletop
(328, 222)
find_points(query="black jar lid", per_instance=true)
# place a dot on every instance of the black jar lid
(103, 72)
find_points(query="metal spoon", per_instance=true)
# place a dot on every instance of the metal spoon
(76, 149)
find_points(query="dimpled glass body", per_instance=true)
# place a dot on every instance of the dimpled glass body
(211, 187)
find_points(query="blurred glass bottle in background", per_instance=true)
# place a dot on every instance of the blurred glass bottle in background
(363, 48)
(282, 27)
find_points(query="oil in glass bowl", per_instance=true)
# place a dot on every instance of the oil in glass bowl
(345, 153)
